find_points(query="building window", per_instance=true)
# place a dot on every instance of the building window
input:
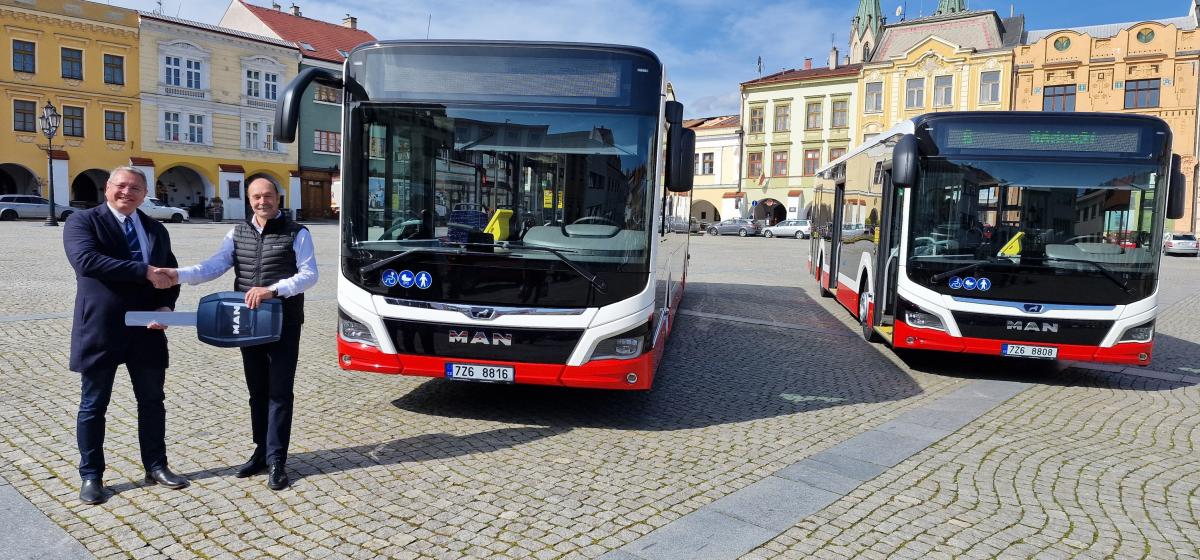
(327, 141)
(195, 129)
(193, 74)
(943, 91)
(1141, 93)
(812, 115)
(263, 85)
(171, 127)
(914, 93)
(873, 102)
(171, 64)
(72, 63)
(835, 153)
(779, 164)
(755, 166)
(23, 56)
(841, 114)
(114, 69)
(756, 120)
(1062, 44)
(114, 126)
(706, 163)
(72, 121)
(812, 160)
(989, 87)
(326, 94)
(1145, 36)
(252, 136)
(783, 118)
(1058, 98)
(24, 116)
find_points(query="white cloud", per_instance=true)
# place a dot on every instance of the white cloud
(708, 46)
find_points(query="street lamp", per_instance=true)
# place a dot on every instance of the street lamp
(49, 120)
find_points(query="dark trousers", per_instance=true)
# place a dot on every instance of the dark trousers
(270, 373)
(152, 418)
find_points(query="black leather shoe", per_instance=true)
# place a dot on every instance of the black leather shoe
(93, 492)
(277, 478)
(165, 477)
(255, 465)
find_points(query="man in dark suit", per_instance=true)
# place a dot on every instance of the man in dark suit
(116, 250)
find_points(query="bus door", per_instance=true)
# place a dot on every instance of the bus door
(835, 234)
(887, 256)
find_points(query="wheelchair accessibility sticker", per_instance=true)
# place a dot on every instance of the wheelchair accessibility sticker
(970, 284)
(389, 278)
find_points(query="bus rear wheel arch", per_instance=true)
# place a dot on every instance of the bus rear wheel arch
(864, 311)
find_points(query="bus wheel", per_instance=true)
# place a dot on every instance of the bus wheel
(864, 310)
(821, 283)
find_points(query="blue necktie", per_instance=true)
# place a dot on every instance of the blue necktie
(135, 248)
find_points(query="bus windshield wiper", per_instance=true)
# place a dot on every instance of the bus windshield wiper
(372, 267)
(596, 282)
(1123, 284)
(967, 268)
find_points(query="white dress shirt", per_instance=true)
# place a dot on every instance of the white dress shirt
(216, 265)
(137, 227)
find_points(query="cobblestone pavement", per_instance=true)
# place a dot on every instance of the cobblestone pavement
(1080, 464)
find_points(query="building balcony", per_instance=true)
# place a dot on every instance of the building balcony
(180, 91)
(259, 103)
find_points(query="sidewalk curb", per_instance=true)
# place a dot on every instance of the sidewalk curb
(1136, 372)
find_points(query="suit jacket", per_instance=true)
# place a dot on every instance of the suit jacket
(108, 284)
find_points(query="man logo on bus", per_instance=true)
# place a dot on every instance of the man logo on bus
(1032, 326)
(480, 337)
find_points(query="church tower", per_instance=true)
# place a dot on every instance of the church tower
(865, 29)
(950, 7)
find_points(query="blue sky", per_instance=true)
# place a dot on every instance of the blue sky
(708, 46)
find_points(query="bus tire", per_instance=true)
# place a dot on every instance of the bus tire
(864, 310)
(821, 283)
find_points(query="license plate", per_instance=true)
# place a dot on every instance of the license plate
(1023, 351)
(480, 372)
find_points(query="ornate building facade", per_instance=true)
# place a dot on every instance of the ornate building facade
(83, 58)
(718, 157)
(1147, 67)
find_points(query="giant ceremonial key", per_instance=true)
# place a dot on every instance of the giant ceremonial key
(221, 320)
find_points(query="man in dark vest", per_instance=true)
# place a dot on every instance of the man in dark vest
(115, 250)
(271, 256)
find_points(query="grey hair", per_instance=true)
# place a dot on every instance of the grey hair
(132, 171)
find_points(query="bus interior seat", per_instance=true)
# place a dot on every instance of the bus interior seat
(464, 219)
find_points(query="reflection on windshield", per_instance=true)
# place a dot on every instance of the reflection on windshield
(1028, 213)
(572, 181)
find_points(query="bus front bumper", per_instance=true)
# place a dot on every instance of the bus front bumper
(632, 374)
(1126, 353)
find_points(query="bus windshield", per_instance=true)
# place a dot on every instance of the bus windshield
(1031, 228)
(574, 181)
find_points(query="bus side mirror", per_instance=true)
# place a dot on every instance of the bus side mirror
(287, 111)
(681, 150)
(1176, 197)
(905, 155)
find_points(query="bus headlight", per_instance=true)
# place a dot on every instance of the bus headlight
(918, 318)
(354, 331)
(1141, 333)
(624, 346)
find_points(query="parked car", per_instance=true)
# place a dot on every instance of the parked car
(16, 206)
(680, 225)
(739, 226)
(800, 229)
(1180, 244)
(155, 209)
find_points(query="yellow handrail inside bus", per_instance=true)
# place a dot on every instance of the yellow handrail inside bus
(498, 225)
(1013, 247)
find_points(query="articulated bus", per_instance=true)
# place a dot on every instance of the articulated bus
(504, 210)
(1030, 235)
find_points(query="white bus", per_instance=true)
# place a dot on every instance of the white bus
(504, 210)
(1032, 235)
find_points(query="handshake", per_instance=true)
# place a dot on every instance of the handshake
(162, 278)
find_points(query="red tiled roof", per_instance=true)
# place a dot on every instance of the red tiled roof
(326, 38)
(727, 121)
(800, 75)
(141, 161)
(732, 195)
(231, 168)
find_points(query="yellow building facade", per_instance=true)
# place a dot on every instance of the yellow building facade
(957, 61)
(83, 58)
(208, 105)
(1147, 68)
(718, 155)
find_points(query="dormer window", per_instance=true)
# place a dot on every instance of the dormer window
(307, 47)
